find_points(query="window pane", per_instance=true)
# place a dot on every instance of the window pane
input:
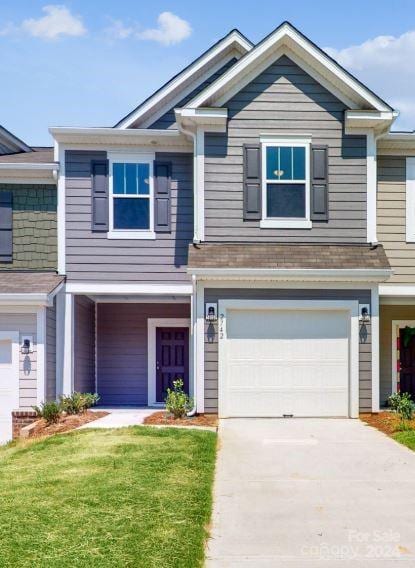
(299, 162)
(286, 200)
(131, 179)
(286, 162)
(133, 213)
(272, 162)
(143, 176)
(118, 178)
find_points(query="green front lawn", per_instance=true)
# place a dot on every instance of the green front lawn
(129, 497)
(407, 438)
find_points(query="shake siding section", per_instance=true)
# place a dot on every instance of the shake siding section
(391, 218)
(84, 348)
(284, 99)
(90, 256)
(211, 340)
(122, 335)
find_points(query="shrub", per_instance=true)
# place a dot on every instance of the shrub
(402, 404)
(177, 401)
(78, 402)
(49, 411)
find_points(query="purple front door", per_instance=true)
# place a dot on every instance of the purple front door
(172, 359)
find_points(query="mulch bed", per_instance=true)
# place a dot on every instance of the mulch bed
(386, 422)
(163, 418)
(66, 423)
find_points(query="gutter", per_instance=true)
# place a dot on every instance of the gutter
(29, 166)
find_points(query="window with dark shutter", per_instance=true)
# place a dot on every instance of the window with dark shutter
(6, 226)
(162, 197)
(100, 209)
(252, 182)
(319, 209)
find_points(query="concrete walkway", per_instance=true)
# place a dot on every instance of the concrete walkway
(120, 417)
(311, 493)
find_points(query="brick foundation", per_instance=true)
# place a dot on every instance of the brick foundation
(21, 418)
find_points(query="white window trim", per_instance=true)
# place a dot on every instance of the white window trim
(285, 222)
(152, 325)
(410, 200)
(139, 234)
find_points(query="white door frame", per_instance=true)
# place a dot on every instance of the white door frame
(14, 336)
(153, 324)
(329, 305)
(396, 326)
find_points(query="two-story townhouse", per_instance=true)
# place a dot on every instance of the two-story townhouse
(225, 232)
(28, 280)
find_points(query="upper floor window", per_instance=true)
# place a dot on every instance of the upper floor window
(286, 184)
(131, 197)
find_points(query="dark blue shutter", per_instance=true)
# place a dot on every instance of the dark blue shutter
(100, 207)
(162, 197)
(319, 184)
(252, 182)
(6, 226)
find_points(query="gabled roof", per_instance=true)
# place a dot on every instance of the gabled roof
(10, 144)
(286, 39)
(234, 44)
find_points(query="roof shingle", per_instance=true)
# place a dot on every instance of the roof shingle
(29, 282)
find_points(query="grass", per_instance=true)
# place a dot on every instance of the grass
(407, 438)
(128, 497)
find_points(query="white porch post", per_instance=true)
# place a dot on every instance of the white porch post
(200, 348)
(41, 354)
(375, 348)
(68, 344)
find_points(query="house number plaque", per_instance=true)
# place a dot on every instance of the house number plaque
(221, 325)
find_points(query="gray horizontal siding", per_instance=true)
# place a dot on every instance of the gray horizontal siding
(211, 341)
(90, 256)
(122, 337)
(84, 344)
(168, 120)
(284, 99)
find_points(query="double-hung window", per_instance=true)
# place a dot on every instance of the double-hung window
(131, 197)
(286, 184)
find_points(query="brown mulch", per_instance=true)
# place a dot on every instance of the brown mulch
(66, 423)
(163, 418)
(387, 422)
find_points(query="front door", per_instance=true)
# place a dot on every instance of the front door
(407, 362)
(172, 359)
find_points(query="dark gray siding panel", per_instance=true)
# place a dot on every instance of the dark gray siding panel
(211, 340)
(122, 349)
(168, 120)
(284, 99)
(92, 257)
(51, 352)
(84, 339)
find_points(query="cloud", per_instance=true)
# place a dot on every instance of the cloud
(57, 22)
(385, 64)
(171, 30)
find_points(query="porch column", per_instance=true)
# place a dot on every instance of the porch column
(375, 348)
(41, 354)
(64, 343)
(200, 347)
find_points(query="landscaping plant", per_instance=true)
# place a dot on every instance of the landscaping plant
(177, 401)
(49, 411)
(403, 405)
(78, 402)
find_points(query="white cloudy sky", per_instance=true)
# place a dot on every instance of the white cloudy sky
(90, 62)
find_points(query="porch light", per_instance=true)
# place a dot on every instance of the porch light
(25, 348)
(211, 313)
(364, 314)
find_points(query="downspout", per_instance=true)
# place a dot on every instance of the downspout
(193, 321)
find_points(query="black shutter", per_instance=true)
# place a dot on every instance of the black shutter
(252, 182)
(100, 211)
(6, 226)
(319, 184)
(162, 190)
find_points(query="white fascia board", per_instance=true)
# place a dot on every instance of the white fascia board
(114, 136)
(117, 289)
(366, 275)
(397, 290)
(286, 34)
(208, 118)
(233, 39)
(12, 139)
(24, 299)
(368, 119)
(28, 166)
(24, 180)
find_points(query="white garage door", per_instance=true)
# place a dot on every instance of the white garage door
(9, 381)
(284, 362)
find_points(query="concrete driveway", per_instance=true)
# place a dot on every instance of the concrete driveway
(311, 493)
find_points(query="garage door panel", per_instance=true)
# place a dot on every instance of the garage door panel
(304, 373)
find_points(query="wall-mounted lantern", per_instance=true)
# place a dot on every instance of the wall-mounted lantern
(211, 313)
(364, 313)
(27, 345)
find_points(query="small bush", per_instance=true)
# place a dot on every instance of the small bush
(403, 405)
(49, 411)
(78, 402)
(177, 401)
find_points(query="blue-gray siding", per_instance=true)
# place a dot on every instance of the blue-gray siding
(84, 344)
(211, 340)
(285, 99)
(90, 256)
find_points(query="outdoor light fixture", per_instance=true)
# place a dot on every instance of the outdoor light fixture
(211, 313)
(25, 348)
(364, 315)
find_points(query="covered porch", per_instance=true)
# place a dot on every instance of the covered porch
(128, 348)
